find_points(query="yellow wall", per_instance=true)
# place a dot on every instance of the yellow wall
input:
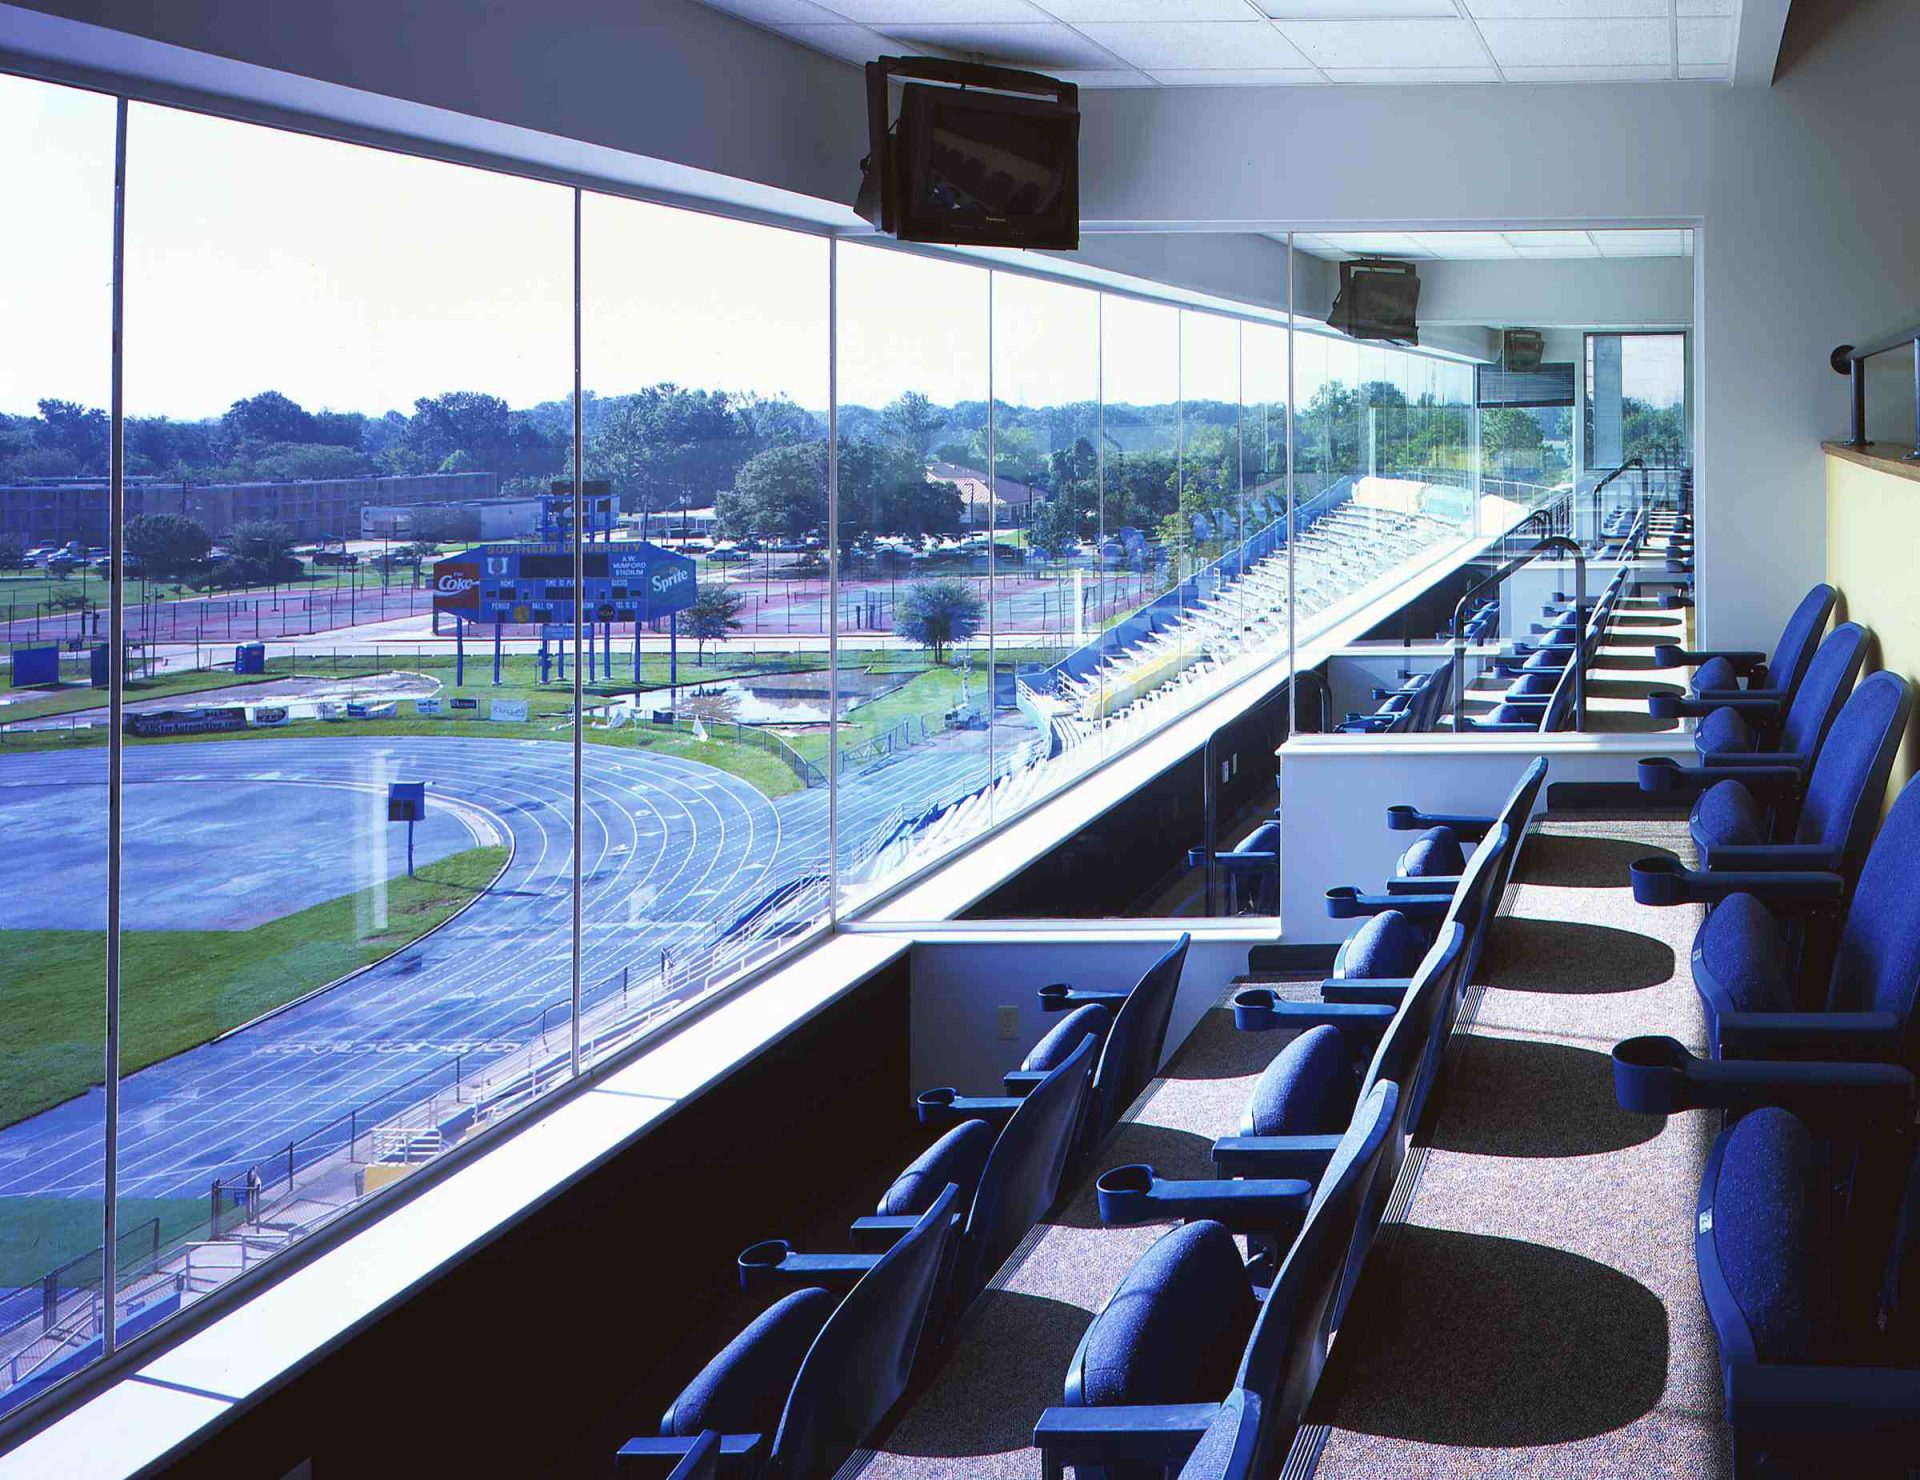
(1873, 557)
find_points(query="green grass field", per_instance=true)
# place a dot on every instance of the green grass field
(39, 1234)
(182, 987)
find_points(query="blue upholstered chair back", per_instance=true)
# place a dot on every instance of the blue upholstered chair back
(1877, 965)
(858, 1365)
(1288, 1348)
(1139, 1032)
(1799, 638)
(1849, 781)
(1829, 679)
(1516, 814)
(1409, 1048)
(1474, 901)
(1022, 1176)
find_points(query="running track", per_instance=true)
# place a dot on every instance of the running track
(669, 846)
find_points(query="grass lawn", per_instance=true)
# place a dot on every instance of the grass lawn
(182, 987)
(38, 1234)
(71, 698)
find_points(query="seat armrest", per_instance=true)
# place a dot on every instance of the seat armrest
(1161, 1434)
(705, 1454)
(772, 1264)
(1662, 775)
(1667, 655)
(877, 1233)
(1663, 881)
(1755, 703)
(1378, 989)
(1469, 828)
(1261, 1010)
(1063, 997)
(1779, 1399)
(1302, 1157)
(1272, 1205)
(1853, 1036)
(1426, 884)
(1771, 858)
(1347, 903)
(1019, 1083)
(943, 1109)
(1658, 1076)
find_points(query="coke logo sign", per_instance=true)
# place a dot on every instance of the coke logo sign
(451, 584)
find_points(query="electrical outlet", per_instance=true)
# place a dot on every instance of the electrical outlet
(1009, 1022)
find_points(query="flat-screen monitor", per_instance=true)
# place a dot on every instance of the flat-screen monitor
(974, 167)
(1377, 300)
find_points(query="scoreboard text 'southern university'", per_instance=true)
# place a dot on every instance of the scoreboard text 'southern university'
(518, 584)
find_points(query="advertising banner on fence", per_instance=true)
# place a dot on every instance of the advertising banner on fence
(462, 704)
(427, 708)
(508, 711)
(185, 721)
(386, 710)
(265, 716)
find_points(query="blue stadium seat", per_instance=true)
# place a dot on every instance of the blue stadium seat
(1767, 997)
(1812, 1294)
(1769, 828)
(1252, 869)
(797, 1391)
(1738, 730)
(1723, 672)
(1156, 1369)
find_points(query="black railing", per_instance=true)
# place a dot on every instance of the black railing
(1852, 363)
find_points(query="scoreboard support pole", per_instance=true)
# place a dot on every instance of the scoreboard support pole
(496, 652)
(459, 652)
(636, 649)
(673, 651)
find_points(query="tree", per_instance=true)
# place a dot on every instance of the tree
(780, 494)
(13, 554)
(714, 614)
(1053, 524)
(81, 432)
(911, 422)
(168, 547)
(262, 552)
(267, 417)
(933, 614)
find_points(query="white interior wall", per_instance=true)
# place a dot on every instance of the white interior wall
(960, 983)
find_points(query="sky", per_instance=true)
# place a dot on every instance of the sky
(353, 279)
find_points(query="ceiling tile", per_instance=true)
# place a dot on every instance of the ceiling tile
(1412, 74)
(1609, 43)
(1556, 253)
(1386, 43)
(1705, 7)
(1120, 77)
(1706, 71)
(1640, 243)
(1043, 45)
(1375, 243)
(1565, 10)
(849, 42)
(1222, 44)
(1646, 72)
(1347, 10)
(778, 12)
(1466, 246)
(1122, 11)
(1545, 240)
(882, 13)
(1705, 40)
(1238, 76)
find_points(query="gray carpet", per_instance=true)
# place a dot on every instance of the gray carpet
(1538, 1314)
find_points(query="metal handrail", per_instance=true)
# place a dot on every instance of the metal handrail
(1852, 363)
(1532, 553)
(1632, 462)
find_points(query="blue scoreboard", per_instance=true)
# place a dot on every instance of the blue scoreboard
(630, 581)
